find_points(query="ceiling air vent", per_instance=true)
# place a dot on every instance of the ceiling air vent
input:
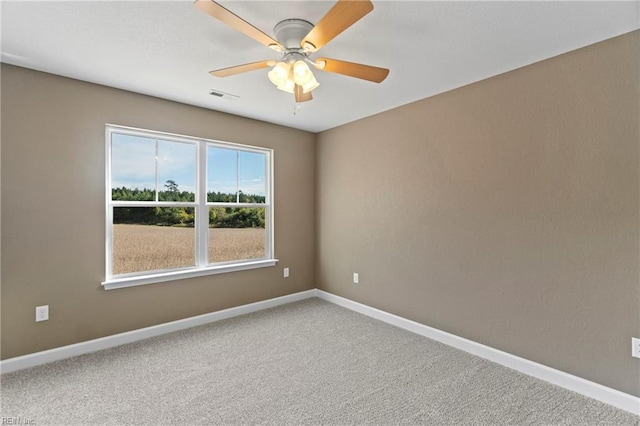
(223, 95)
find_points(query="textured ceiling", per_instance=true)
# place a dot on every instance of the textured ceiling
(166, 49)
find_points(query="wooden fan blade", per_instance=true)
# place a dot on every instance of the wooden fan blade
(364, 72)
(300, 95)
(340, 17)
(226, 72)
(212, 8)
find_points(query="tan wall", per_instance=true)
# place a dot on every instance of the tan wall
(506, 212)
(53, 212)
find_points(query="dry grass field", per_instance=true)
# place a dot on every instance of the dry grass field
(138, 248)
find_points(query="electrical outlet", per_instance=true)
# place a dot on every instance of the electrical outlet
(42, 313)
(635, 347)
(355, 278)
(286, 272)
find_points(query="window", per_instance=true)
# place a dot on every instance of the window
(179, 206)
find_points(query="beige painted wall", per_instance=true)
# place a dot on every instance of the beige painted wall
(53, 168)
(506, 212)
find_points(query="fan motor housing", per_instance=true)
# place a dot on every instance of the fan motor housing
(290, 32)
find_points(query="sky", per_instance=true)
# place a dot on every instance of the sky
(134, 165)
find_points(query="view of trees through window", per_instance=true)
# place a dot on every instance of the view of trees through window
(219, 217)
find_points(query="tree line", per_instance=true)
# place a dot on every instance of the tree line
(219, 217)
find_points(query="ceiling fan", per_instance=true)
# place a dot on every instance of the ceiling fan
(297, 39)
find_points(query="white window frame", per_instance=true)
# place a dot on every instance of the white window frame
(201, 206)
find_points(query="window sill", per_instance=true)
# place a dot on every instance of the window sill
(190, 273)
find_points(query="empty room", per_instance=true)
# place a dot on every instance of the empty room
(320, 212)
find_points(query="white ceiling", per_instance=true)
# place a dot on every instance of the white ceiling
(166, 48)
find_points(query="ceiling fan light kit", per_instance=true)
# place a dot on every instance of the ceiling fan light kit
(293, 70)
(296, 39)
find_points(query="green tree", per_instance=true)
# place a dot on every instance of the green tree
(171, 186)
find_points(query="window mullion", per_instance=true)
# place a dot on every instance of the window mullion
(202, 211)
(157, 189)
(237, 176)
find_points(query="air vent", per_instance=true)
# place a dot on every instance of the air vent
(223, 95)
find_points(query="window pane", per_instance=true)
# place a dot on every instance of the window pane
(143, 239)
(222, 174)
(236, 234)
(176, 171)
(252, 182)
(133, 168)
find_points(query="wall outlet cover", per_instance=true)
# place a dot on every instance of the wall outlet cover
(42, 313)
(635, 347)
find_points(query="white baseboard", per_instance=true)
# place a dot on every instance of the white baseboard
(587, 388)
(38, 358)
